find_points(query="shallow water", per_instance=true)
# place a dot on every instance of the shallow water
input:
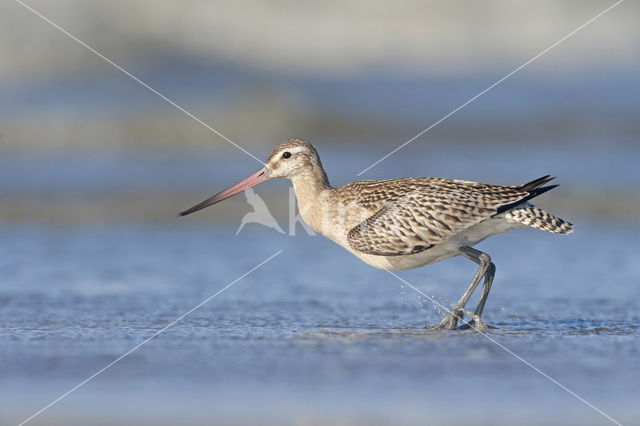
(314, 335)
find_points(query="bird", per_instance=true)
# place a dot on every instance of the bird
(406, 223)
(260, 214)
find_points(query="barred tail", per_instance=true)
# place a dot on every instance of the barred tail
(531, 215)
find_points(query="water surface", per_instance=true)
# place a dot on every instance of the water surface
(314, 335)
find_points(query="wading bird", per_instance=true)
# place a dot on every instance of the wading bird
(399, 224)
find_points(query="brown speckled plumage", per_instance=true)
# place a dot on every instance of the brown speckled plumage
(413, 214)
(538, 218)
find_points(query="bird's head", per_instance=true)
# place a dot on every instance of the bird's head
(290, 159)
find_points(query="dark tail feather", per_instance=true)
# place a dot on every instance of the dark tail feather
(534, 184)
(532, 193)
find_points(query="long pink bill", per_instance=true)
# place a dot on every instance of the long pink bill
(249, 182)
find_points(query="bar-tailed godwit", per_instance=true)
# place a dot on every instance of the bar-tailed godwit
(399, 224)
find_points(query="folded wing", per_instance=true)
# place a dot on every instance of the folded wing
(422, 218)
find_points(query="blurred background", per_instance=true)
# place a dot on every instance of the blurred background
(356, 79)
(94, 168)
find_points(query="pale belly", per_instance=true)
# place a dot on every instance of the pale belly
(449, 248)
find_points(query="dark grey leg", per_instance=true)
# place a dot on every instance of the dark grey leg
(488, 280)
(485, 269)
(476, 322)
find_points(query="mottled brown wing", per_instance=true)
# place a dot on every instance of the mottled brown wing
(421, 219)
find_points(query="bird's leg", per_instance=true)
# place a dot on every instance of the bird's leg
(476, 322)
(488, 280)
(450, 321)
(480, 258)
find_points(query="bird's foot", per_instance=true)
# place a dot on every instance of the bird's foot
(449, 322)
(476, 323)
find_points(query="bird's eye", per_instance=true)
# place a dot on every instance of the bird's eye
(286, 154)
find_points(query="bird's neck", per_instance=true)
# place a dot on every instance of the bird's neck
(312, 190)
